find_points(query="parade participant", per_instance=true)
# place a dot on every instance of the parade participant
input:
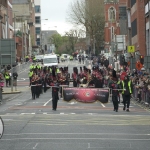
(114, 86)
(127, 87)
(75, 77)
(38, 86)
(55, 91)
(30, 74)
(33, 86)
(62, 81)
(32, 66)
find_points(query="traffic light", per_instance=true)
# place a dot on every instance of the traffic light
(142, 59)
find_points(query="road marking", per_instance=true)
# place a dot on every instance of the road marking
(73, 103)
(35, 145)
(112, 139)
(27, 113)
(47, 102)
(88, 145)
(103, 105)
(62, 113)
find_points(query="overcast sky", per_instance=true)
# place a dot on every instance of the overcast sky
(56, 12)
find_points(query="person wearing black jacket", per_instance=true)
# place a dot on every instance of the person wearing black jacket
(127, 87)
(55, 91)
(114, 86)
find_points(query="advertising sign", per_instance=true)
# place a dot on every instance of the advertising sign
(1, 127)
(86, 95)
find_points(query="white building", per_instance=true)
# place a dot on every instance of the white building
(38, 21)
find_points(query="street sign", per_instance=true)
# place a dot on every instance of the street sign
(131, 49)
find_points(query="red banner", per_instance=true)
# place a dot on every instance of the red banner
(86, 95)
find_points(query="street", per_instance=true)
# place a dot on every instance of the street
(31, 124)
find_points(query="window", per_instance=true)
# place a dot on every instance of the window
(134, 27)
(112, 33)
(37, 20)
(112, 13)
(133, 2)
(37, 9)
(38, 30)
(38, 41)
(122, 13)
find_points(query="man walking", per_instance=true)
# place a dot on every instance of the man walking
(127, 87)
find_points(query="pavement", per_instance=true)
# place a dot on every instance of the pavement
(17, 90)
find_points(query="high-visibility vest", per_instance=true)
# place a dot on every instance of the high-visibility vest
(50, 70)
(7, 76)
(38, 66)
(57, 71)
(30, 73)
(129, 85)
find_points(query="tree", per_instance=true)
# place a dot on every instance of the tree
(89, 15)
(73, 36)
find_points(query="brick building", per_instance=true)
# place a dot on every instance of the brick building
(136, 10)
(115, 22)
(6, 21)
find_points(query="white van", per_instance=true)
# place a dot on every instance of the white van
(50, 60)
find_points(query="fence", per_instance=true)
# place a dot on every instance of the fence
(142, 95)
(21, 67)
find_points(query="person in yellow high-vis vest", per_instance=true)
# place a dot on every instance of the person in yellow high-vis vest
(30, 74)
(127, 90)
(7, 78)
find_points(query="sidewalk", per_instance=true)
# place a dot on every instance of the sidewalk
(7, 90)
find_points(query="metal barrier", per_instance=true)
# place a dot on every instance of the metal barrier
(21, 67)
(142, 95)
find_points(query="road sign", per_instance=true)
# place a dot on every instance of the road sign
(131, 49)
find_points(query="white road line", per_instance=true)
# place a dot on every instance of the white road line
(27, 114)
(47, 102)
(103, 105)
(104, 139)
(35, 145)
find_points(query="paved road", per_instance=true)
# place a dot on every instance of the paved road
(31, 124)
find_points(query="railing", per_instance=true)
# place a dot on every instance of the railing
(21, 67)
(142, 95)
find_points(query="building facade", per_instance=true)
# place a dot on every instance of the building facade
(147, 26)
(38, 21)
(115, 26)
(6, 19)
(136, 26)
(24, 23)
(46, 42)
